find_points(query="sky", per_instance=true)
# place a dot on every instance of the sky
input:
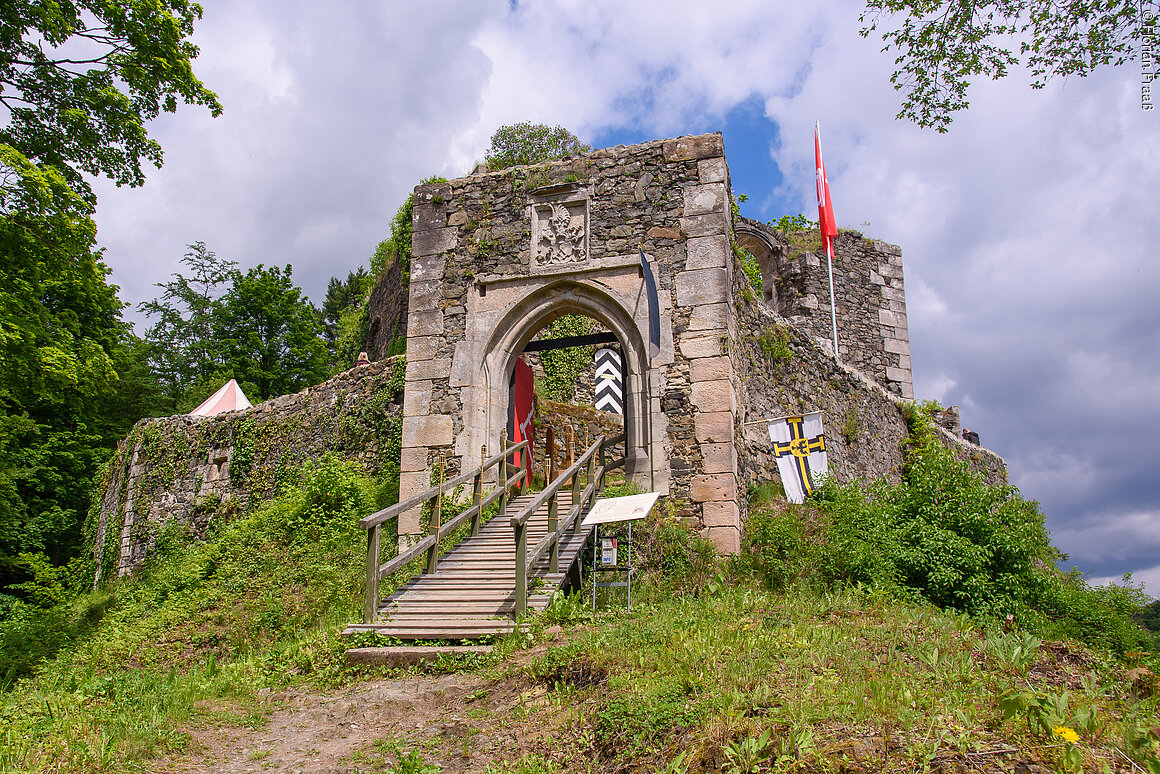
(1029, 231)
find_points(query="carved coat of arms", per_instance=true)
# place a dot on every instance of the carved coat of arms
(561, 233)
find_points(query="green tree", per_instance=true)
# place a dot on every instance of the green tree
(60, 331)
(341, 296)
(181, 350)
(528, 143)
(942, 46)
(80, 78)
(268, 333)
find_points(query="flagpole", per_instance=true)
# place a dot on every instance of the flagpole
(833, 306)
(826, 239)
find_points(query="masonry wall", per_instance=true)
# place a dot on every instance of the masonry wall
(182, 470)
(864, 425)
(870, 295)
(495, 253)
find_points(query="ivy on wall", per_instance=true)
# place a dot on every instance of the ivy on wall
(267, 449)
(562, 367)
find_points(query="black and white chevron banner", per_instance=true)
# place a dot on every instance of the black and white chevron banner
(609, 392)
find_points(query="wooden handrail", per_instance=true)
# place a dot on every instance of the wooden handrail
(373, 523)
(541, 498)
(386, 514)
(556, 526)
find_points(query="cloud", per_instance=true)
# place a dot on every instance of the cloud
(332, 114)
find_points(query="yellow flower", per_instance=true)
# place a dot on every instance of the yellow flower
(1068, 734)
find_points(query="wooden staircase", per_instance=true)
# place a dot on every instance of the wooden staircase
(472, 593)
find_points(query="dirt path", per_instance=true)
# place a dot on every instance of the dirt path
(456, 722)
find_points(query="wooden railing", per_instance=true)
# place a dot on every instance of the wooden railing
(592, 461)
(376, 571)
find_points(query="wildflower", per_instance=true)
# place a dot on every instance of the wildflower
(1068, 734)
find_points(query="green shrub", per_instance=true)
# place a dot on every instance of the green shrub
(774, 343)
(672, 553)
(946, 536)
(777, 547)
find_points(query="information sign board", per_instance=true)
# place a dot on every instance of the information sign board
(628, 508)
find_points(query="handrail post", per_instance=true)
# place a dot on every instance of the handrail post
(549, 455)
(553, 525)
(591, 478)
(371, 603)
(575, 496)
(505, 472)
(600, 465)
(477, 492)
(521, 601)
(433, 551)
(570, 438)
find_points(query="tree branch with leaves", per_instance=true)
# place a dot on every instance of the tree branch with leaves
(941, 46)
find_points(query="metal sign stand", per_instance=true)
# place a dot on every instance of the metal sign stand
(614, 567)
(613, 509)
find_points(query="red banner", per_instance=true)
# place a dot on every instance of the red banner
(826, 222)
(520, 421)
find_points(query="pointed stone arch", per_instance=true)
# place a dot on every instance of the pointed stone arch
(538, 309)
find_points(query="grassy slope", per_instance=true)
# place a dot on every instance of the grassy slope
(733, 679)
(713, 673)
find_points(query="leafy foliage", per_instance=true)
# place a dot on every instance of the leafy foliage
(942, 46)
(219, 323)
(61, 344)
(944, 536)
(792, 224)
(269, 334)
(528, 143)
(79, 79)
(341, 296)
(181, 340)
(397, 247)
(562, 367)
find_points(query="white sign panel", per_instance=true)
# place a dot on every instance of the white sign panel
(608, 550)
(627, 508)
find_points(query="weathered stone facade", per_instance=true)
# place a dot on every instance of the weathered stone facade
(497, 256)
(864, 424)
(873, 335)
(181, 469)
(386, 312)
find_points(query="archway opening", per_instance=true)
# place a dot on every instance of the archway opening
(563, 332)
(575, 374)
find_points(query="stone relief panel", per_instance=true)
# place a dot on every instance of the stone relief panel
(559, 232)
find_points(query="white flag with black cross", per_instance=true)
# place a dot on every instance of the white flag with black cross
(609, 390)
(799, 446)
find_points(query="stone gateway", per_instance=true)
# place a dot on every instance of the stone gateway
(497, 256)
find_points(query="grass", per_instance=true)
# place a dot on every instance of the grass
(817, 681)
(758, 664)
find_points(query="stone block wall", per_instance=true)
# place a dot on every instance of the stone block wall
(386, 312)
(184, 469)
(498, 255)
(864, 425)
(873, 334)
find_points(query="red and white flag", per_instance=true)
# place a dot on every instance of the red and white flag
(826, 222)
